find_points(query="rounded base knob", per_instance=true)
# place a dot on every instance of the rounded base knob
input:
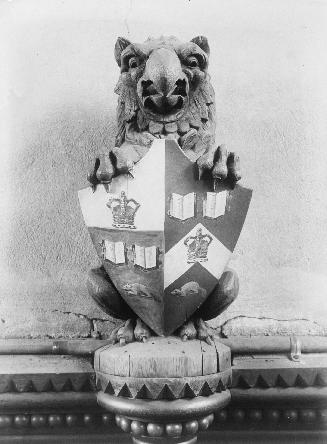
(184, 440)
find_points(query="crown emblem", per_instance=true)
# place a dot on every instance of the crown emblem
(123, 211)
(197, 246)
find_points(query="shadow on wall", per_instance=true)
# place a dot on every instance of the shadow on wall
(49, 252)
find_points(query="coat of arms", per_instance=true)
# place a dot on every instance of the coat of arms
(164, 237)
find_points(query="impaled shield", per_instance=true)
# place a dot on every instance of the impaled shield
(164, 236)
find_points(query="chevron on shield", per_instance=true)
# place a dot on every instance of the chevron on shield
(163, 236)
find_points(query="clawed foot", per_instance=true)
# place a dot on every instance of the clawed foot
(130, 332)
(205, 333)
(137, 330)
(120, 160)
(141, 331)
(196, 329)
(102, 172)
(221, 164)
(187, 331)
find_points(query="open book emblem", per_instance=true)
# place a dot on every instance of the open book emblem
(182, 207)
(114, 252)
(146, 258)
(214, 204)
(197, 246)
(163, 236)
(123, 211)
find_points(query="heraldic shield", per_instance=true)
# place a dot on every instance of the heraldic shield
(164, 236)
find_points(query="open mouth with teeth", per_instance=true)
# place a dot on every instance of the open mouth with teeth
(163, 106)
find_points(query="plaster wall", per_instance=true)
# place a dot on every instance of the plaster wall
(269, 68)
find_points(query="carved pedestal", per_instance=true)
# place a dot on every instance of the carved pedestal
(165, 390)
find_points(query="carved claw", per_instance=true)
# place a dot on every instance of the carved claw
(206, 162)
(103, 171)
(141, 332)
(204, 332)
(220, 169)
(187, 331)
(92, 176)
(222, 165)
(234, 167)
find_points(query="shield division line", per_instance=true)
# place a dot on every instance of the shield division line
(163, 236)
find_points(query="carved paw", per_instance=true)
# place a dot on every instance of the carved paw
(125, 334)
(141, 332)
(130, 332)
(204, 332)
(187, 331)
(222, 164)
(196, 329)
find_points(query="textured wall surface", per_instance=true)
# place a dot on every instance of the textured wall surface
(269, 68)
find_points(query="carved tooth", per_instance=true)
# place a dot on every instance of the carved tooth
(171, 127)
(155, 127)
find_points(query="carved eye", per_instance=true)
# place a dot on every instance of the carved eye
(132, 63)
(192, 62)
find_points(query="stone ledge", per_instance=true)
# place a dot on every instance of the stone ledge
(39, 415)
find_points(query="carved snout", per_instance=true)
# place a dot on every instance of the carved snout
(163, 87)
(164, 98)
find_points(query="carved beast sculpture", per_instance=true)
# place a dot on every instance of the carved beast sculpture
(164, 92)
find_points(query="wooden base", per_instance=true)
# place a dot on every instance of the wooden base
(166, 390)
(163, 368)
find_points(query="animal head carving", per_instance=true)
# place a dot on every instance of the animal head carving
(164, 89)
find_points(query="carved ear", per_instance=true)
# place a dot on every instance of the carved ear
(202, 41)
(120, 45)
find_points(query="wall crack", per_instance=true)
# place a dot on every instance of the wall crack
(93, 322)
